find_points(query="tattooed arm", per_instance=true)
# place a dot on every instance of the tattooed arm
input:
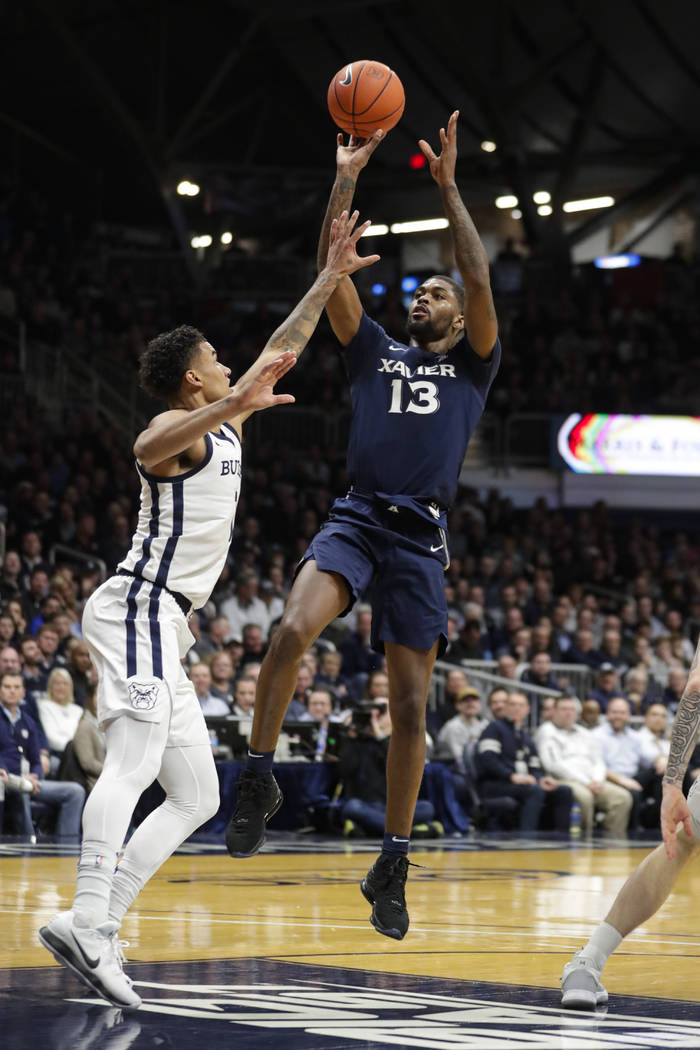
(480, 319)
(294, 333)
(674, 808)
(344, 307)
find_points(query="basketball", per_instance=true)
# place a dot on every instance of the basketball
(364, 96)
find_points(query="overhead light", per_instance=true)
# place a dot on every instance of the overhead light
(187, 188)
(202, 241)
(516, 213)
(226, 237)
(507, 201)
(616, 262)
(378, 289)
(419, 226)
(488, 146)
(409, 284)
(544, 209)
(376, 231)
(542, 197)
(589, 204)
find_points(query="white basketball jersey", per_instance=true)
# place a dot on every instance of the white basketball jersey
(186, 522)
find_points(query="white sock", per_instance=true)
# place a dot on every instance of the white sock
(128, 882)
(95, 874)
(604, 940)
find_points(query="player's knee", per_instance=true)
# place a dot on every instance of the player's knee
(408, 716)
(209, 802)
(290, 641)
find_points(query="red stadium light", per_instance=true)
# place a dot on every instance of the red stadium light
(417, 161)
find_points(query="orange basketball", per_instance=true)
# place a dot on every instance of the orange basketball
(364, 96)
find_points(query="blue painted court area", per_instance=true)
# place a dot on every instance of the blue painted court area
(253, 1004)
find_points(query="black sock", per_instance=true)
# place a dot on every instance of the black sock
(259, 762)
(395, 845)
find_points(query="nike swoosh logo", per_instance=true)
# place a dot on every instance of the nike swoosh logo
(403, 349)
(394, 839)
(92, 963)
(433, 549)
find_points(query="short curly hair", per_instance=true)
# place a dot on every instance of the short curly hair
(166, 359)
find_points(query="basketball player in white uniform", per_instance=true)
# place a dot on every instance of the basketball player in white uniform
(189, 461)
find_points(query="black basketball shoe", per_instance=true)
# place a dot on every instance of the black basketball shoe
(259, 798)
(384, 887)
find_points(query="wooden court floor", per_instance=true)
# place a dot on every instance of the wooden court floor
(494, 918)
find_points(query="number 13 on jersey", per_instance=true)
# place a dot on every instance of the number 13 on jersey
(422, 397)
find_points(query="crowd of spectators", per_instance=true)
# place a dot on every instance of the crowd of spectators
(530, 591)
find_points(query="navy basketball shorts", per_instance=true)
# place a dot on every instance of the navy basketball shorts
(401, 555)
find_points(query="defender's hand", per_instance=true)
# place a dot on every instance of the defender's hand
(442, 167)
(256, 392)
(342, 247)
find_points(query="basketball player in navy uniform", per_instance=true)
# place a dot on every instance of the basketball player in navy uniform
(189, 462)
(415, 406)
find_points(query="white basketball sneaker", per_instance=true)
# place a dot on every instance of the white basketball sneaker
(580, 985)
(95, 956)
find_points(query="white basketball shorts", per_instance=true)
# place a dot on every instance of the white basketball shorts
(138, 635)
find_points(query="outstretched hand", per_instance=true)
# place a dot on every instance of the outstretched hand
(674, 811)
(353, 157)
(442, 167)
(256, 390)
(342, 246)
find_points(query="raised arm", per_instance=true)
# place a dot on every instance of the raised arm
(344, 307)
(674, 808)
(480, 320)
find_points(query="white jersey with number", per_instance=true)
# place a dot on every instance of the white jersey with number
(186, 522)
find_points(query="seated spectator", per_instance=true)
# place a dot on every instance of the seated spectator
(572, 755)
(319, 705)
(496, 703)
(47, 640)
(655, 748)
(636, 683)
(362, 767)
(561, 636)
(221, 667)
(611, 650)
(245, 607)
(81, 669)
(253, 644)
(543, 641)
(471, 644)
(329, 674)
(216, 635)
(545, 708)
(31, 662)
(583, 650)
(297, 710)
(456, 683)
(59, 714)
(20, 755)
(671, 696)
(377, 685)
(244, 696)
(591, 716)
(89, 741)
(272, 601)
(621, 751)
(359, 658)
(508, 765)
(539, 672)
(467, 725)
(606, 686)
(662, 660)
(200, 676)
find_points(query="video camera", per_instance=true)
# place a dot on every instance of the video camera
(362, 714)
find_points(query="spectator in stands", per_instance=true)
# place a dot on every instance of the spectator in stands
(214, 638)
(543, 641)
(561, 636)
(10, 576)
(606, 686)
(329, 675)
(621, 751)
(245, 607)
(508, 766)
(59, 714)
(200, 676)
(35, 594)
(506, 666)
(359, 658)
(539, 672)
(470, 644)
(362, 767)
(636, 689)
(32, 558)
(496, 702)
(244, 696)
(545, 709)
(465, 727)
(319, 705)
(504, 638)
(7, 630)
(47, 640)
(221, 667)
(89, 740)
(671, 696)
(272, 601)
(655, 747)
(253, 644)
(591, 716)
(663, 660)
(572, 755)
(20, 743)
(81, 669)
(377, 685)
(297, 709)
(611, 649)
(583, 650)
(32, 669)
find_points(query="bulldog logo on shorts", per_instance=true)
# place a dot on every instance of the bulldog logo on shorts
(143, 695)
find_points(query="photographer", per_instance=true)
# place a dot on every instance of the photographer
(362, 765)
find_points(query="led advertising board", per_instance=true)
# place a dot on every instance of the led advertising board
(664, 446)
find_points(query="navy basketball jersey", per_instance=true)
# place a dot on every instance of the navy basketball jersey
(413, 413)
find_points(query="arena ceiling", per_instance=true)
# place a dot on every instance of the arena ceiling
(111, 103)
